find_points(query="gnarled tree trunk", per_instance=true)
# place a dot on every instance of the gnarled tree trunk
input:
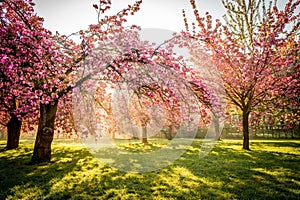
(44, 137)
(246, 130)
(13, 132)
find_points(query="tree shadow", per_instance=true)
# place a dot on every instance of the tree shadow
(254, 174)
(16, 171)
(279, 143)
(225, 173)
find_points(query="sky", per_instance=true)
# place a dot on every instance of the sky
(69, 16)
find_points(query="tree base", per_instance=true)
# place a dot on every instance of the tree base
(7, 148)
(34, 161)
(144, 141)
(247, 149)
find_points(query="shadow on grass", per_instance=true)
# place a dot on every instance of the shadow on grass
(225, 173)
(258, 174)
(17, 175)
(283, 143)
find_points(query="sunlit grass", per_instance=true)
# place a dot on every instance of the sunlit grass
(151, 146)
(269, 171)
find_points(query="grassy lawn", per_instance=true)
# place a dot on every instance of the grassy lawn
(270, 171)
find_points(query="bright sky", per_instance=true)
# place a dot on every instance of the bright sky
(68, 16)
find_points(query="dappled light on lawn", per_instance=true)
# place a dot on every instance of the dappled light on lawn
(227, 172)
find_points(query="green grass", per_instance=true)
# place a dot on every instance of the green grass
(269, 171)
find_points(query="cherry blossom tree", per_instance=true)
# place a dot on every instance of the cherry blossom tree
(17, 54)
(43, 64)
(284, 109)
(45, 68)
(150, 72)
(248, 50)
(69, 60)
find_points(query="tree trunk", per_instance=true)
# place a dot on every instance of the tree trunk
(246, 130)
(144, 135)
(13, 132)
(170, 132)
(113, 135)
(217, 127)
(44, 137)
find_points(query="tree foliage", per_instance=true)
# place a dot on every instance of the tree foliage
(248, 51)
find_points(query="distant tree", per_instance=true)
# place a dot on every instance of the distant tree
(247, 50)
